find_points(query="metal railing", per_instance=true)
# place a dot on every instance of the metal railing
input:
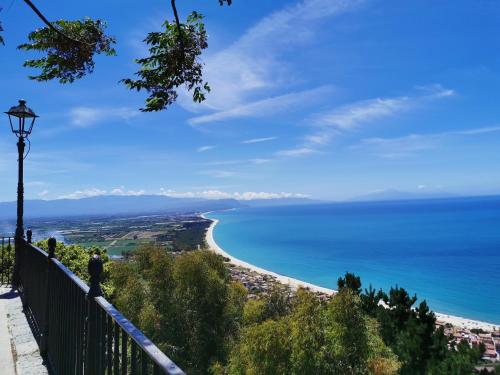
(78, 330)
(6, 260)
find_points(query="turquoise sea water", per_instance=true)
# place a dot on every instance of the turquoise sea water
(447, 251)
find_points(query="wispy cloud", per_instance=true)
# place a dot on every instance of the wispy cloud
(204, 148)
(43, 193)
(239, 161)
(219, 173)
(255, 63)
(35, 183)
(260, 161)
(266, 107)
(88, 116)
(392, 148)
(218, 194)
(296, 152)
(335, 121)
(258, 140)
(412, 144)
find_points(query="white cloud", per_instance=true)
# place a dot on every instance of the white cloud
(296, 152)
(225, 162)
(240, 161)
(219, 173)
(260, 161)
(336, 121)
(476, 131)
(255, 62)
(265, 107)
(217, 194)
(86, 193)
(35, 183)
(88, 116)
(122, 191)
(43, 193)
(398, 147)
(204, 148)
(95, 192)
(412, 144)
(258, 140)
(350, 116)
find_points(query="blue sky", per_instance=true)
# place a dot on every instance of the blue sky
(325, 98)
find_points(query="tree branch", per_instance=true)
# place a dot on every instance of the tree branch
(50, 25)
(178, 23)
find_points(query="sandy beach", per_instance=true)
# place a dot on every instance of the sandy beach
(294, 284)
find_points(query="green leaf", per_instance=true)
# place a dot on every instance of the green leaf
(69, 54)
(173, 62)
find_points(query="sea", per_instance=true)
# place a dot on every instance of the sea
(446, 251)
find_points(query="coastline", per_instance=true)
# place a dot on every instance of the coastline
(294, 284)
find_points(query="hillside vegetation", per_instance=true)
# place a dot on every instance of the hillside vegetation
(188, 305)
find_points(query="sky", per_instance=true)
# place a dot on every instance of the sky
(328, 99)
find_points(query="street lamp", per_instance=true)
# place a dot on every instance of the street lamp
(21, 119)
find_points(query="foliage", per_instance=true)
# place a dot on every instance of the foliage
(7, 261)
(191, 310)
(460, 361)
(173, 62)
(411, 334)
(186, 304)
(76, 258)
(347, 333)
(350, 281)
(264, 349)
(190, 238)
(69, 48)
(313, 338)
(381, 359)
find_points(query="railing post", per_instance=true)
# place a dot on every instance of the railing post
(95, 269)
(29, 235)
(44, 338)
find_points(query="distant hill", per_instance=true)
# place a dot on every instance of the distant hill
(393, 195)
(114, 205)
(124, 205)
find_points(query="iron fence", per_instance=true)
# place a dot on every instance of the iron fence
(79, 332)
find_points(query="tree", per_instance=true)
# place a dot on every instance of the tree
(76, 258)
(314, 337)
(186, 304)
(350, 281)
(68, 49)
(264, 349)
(307, 334)
(370, 300)
(411, 334)
(460, 360)
(346, 333)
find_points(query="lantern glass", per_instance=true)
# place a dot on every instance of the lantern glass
(25, 119)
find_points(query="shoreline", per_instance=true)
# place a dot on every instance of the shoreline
(294, 284)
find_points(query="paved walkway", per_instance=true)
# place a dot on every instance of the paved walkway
(19, 353)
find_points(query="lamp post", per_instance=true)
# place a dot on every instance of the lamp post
(21, 119)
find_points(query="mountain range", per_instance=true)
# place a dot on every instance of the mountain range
(124, 205)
